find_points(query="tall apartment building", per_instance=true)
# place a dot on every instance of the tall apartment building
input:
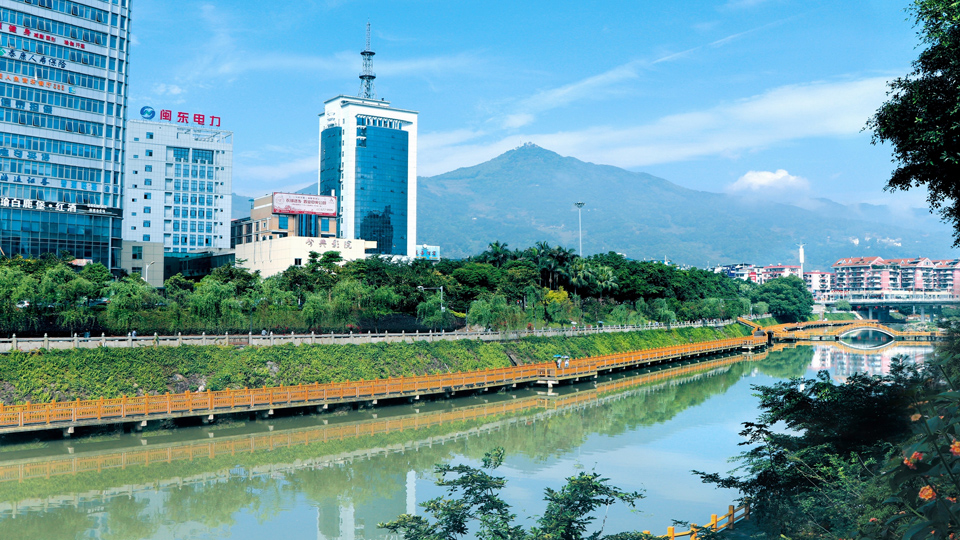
(63, 77)
(881, 275)
(178, 185)
(818, 283)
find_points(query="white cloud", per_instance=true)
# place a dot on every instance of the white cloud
(167, 90)
(779, 180)
(819, 109)
(604, 84)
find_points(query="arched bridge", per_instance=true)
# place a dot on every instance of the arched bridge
(835, 330)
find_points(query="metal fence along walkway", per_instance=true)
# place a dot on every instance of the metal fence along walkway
(28, 417)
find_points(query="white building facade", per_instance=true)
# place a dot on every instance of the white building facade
(368, 160)
(178, 184)
(63, 100)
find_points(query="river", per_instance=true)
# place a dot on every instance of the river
(338, 474)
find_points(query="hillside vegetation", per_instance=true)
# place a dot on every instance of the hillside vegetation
(91, 373)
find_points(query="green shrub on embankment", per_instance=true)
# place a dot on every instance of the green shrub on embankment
(64, 375)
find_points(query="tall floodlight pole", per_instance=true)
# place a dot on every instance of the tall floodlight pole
(579, 206)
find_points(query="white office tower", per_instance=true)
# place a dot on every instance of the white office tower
(178, 185)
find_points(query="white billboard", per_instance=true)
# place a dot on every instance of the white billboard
(431, 253)
(299, 203)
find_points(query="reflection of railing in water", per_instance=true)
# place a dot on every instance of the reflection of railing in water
(606, 391)
(105, 411)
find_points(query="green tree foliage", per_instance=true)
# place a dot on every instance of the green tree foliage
(921, 117)
(842, 305)
(511, 289)
(473, 506)
(787, 297)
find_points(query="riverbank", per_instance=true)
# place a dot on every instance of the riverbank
(67, 375)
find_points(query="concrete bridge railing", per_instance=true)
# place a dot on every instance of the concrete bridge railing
(258, 340)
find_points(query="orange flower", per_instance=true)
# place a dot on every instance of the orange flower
(908, 463)
(951, 499)
(915, 417)
(927, 493)
(917, 456)
(955, 448)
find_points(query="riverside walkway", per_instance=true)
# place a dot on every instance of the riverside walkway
(72, 414)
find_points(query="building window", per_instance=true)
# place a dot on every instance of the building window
(137, 269)
(149, 153)
(148, 168)
(148, 182)
(138, 253)
(298, 262)
(147, 196)
(146, 209)
(146, 223)
(149, 135)
(146, 238)
(282, 222)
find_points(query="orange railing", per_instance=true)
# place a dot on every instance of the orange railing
(272, 440)
(198, 403)
(733, 515)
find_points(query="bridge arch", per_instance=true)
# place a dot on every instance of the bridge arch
(875, 327)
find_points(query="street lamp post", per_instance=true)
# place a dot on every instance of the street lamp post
(440, 288)
(579, 206)
(146, 271)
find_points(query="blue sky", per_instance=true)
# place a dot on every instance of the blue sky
(763, 97)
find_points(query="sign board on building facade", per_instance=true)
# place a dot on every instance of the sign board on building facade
(431, 253)
(299, 203)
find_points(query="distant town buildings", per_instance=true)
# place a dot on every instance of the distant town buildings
(882, 275)
(862, 274)
(63, 101)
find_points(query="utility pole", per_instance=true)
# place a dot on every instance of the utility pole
(579, 206)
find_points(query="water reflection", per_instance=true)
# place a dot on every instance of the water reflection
(338, 475)
(866, 352)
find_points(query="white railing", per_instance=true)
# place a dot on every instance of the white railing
(260, 340)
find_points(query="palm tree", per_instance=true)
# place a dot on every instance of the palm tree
(606, 280)
(498, 254)
(580, 273)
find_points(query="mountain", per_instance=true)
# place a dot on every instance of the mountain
(527, 195)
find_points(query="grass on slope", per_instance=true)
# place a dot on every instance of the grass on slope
(63, 375)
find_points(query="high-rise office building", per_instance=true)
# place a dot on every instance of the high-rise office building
(63, 76)
(368, 160)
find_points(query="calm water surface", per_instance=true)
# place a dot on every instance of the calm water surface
(337, 475)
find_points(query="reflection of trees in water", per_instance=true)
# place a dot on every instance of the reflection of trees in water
(549, 438)
(374, 487)
(787, 363)
(61, 523)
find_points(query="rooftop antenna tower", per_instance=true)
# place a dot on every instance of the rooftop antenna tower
(366, 78)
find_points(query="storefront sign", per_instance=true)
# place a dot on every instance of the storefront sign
(431, 253)
(333, 243)
(35, 82)
(34, 58)
(32, 204)
(12, 28)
